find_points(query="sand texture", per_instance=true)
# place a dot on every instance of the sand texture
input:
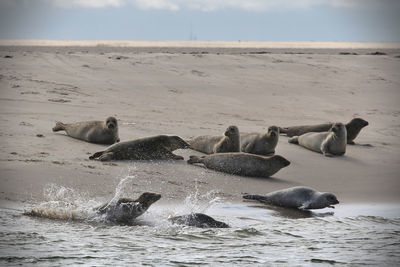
(191, 91)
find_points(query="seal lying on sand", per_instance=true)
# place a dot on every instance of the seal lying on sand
(242, 163)
(155, 147)
(299, 197)
(208, 144)
(353, 129)
(198, 220)
(100, 132)
(327, 143)
(260, 144)
(126, 209)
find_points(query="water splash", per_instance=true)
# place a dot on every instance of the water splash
(63, 203)
(199, 203)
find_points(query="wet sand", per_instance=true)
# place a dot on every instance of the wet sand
(196, 90)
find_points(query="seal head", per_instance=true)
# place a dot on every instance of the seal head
(127, 209)
(198, 220)
(280, 160)
(111, 123)
(353, 129)
(324, 200)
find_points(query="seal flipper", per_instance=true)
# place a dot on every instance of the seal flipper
(294, 140)
(106, 156)
(195, 159)
(249, 147)
(256, 197)
(59, 127)
(96, 155)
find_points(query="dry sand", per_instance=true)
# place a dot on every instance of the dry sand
(191, 90)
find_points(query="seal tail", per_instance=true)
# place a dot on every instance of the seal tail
(96, 155)
(283, 130)
(59, 127)
(256, 197)
(195, 159)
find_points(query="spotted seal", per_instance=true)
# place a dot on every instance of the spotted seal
(208, 144)
(240, 163)
(125, 210)
(260, 144)
(328, 143)
(199, 220)
(299, 197)
(155, 147)
(100, 132)
(353, 129)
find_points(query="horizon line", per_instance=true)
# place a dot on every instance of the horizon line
(200, 44)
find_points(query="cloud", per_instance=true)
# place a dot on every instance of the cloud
(88, 3)
(215, 5)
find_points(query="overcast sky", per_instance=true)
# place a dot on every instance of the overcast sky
(222, 20)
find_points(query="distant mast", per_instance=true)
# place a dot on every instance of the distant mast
(192, 36)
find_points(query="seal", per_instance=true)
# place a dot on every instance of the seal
(199, 220)
(299, 197)
(100, 132)
(240, 163)
(155, 147)
(125, 210)
(353, 129)
(328, 143)
(208, 144)
(260, 144)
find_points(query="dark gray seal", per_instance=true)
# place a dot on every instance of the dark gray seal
(155, 147)
(353, 129)
(299, 197)
(260, 143)
(125, 210)
(328, 143)
(208, 144)
(198, 220)
(100, 132)
(242, 163)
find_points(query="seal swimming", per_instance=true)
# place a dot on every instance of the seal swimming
(260, 144)
(155, 147)
(125, 210)
(100, 132)
(353, 129)
(328, 143)
(240, 163)
(198, 220)
(208, 144)
(299, 197)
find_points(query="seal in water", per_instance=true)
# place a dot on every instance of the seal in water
(353, 129)
(244, 164)
(299, 197)
(327, 143)
(208, 144)
(100, 132)
(198, 220)
(155, 147)
(126, 209)
(260, 144)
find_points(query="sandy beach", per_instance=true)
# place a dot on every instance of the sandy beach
(191, 90)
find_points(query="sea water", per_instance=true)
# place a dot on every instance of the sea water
(69, 233)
